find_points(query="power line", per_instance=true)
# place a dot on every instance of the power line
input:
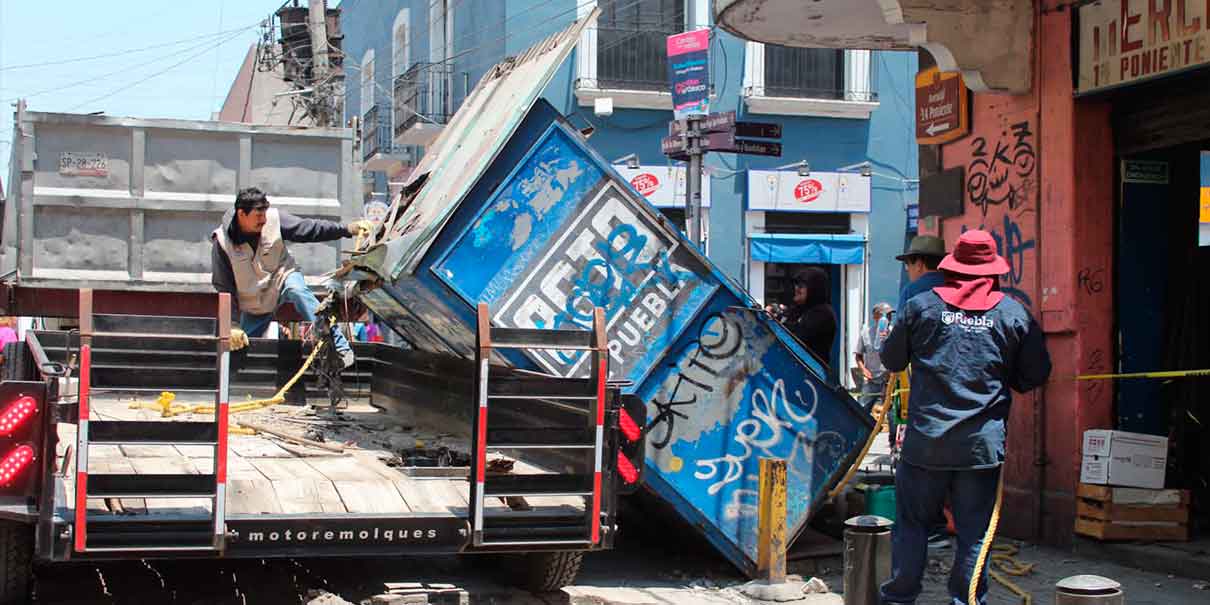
(208, 40)
(129, 51)
(154, 75)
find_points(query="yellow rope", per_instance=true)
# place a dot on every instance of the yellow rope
(988, 537)
(864, 450)
(167, 409)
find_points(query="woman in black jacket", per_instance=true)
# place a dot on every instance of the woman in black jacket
(812, 318)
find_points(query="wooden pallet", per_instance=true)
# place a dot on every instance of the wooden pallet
(1116, 513)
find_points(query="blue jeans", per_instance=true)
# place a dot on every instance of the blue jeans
(295, 292)
(920, 496)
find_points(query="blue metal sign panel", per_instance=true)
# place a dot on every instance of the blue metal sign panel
(735, 391)
(560, 237)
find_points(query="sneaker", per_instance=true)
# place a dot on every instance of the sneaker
(347, 358)
(939, 541)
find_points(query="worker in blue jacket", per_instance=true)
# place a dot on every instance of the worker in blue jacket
(968, 345)
(920, 261)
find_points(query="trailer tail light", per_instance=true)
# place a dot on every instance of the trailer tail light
(17, 414)
(632, 443)
(14, 463)
(22, 437)
(630, 429)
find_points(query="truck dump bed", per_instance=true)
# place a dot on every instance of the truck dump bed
(512, 208)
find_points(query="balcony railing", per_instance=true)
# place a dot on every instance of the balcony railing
(423, 96)
(632, 60)
(375, 132)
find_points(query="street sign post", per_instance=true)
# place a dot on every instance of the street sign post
(942, 107)
(690, 138)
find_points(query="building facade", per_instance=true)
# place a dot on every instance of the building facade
(837, 197)
(1087, 159)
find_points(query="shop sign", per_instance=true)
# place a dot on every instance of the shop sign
(1129, 41)
(786, 191)
(1145, 171)
(663, 187)
(942, 107)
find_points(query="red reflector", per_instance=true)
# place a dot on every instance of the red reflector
(629, 473)
(14, 463)
(629, 428)
(16, 414)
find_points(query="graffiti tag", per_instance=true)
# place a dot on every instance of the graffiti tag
(764, 431)
(1011, 243)
(1002, 172)
(718, 339)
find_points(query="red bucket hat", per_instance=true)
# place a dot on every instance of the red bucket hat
(975, 254)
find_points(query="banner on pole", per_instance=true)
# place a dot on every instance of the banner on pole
(689, 72)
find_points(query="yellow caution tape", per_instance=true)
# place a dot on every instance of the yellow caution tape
(1165, 374)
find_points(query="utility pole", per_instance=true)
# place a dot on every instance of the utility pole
(693, 181)
(317, 17)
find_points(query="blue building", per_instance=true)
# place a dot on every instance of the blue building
(837, 197)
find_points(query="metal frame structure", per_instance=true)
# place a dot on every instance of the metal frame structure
(121, 432)
(592, 389)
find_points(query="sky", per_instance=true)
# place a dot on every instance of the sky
(200, 46)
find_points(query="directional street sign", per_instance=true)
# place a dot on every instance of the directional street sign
(754, 148)
(942, 111)
(758, 130)
(715, 141)
(715, 122)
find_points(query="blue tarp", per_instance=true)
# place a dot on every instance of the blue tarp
(820, 248)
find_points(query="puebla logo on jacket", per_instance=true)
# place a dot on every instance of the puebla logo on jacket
(977, 323)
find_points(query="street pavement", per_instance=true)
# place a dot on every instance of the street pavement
(658, 561)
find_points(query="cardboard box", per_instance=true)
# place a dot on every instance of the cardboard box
(1125, 459)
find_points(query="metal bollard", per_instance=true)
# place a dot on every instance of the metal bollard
(867, 558)
(1088, 590)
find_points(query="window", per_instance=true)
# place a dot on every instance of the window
(631, 47)
(400, 44)
(822, 82)
(625, 56)
(810, 73)
(367, 82)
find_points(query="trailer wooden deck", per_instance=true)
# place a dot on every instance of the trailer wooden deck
(268, 475)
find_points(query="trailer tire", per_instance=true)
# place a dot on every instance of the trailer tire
(16, 562)
(549, 571)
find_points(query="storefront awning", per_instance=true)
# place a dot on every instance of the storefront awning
(815, 248)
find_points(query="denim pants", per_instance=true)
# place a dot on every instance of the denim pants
(873, 390)
(920, 496)
(295, 292)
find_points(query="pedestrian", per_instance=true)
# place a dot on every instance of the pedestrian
(8, 333)
(920, 261)
(869, 361)
(968, 345)
(250, 259)
(812, 318)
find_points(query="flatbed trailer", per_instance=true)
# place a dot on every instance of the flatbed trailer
(436, 456)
